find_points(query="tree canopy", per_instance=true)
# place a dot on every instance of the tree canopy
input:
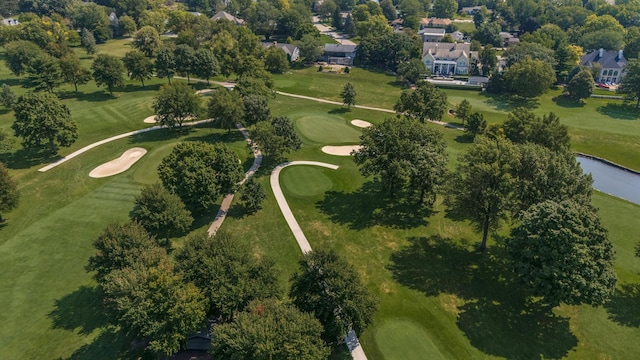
(147, 40)
(199, 173)
(530, 78)
(426, 102)
(108, 70)
(138, 66)
(523, 126)
(43, 122)
(176, 103)
(630, 84)
(562, 251)
(330, 288)
(581, 85)
(348, 94)
(9, 194)
(227, 108)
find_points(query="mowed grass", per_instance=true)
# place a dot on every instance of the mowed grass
(423, 268)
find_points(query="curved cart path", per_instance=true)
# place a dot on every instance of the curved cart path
(357, 353)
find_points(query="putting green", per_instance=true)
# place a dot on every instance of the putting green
(304, 181)
(404, 339)
(327, 129)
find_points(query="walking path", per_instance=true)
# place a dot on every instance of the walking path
(113, 138)
(357, 353)
(226, 202)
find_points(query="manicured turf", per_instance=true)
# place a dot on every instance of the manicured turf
(325, 129)
(305, 181)
(404, 339)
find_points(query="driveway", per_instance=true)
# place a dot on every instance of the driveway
(329, 31)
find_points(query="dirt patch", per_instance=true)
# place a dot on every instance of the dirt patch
(121, 164)
(150, 119)
(344, 150)
(360, 123)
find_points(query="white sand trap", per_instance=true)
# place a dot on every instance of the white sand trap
(344, 150)
(360, 123)
(118, 165)
(150, 119)
(204, 91)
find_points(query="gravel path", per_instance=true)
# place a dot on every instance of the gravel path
(357, 353)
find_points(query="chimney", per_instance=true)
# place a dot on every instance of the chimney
(619, 54)
(600, 52)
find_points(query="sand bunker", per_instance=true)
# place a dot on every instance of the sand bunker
(150, 119)
(360, 123)
(344, 150)
(118, 165)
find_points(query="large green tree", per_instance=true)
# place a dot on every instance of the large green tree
(185, 59)
(482, 185)
(348, 95)
(161, 213)
(227, 272)
(19, 55)
(630, 84)
(9, 194)
(88, 42)
(530, 78)
(252, 195)
(269, 329)
(445, 9)
(256, 109)
(227, 108)
(166, 63)
(155, 303)
(275, 137)
(522, 126)
(489, 60)
(562, 251)
(73, 72)
(330, 288)
(44, 73)
(200, 173)
(147, 40)
(175, 104)
(43, 122)
(311, 47)
(138, 66)
(206, 64)
(581, 85)
(108, 70)
(120, 246)
(412, 70)
(403, 153)
(276, 60)
(426, 102)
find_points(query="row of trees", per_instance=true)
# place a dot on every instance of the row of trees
(523, 172)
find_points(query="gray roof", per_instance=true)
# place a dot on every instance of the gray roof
(446, 50)
(10, 21)
(226, 15)
(434, 31)
(609, 59)
(288, 48)
(339, 48)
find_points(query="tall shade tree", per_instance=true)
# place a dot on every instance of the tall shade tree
(127, 25)
(108, 70)
(426, 102)
(311, 47)
(476, 124)
(523, 126)
(44, 73)
(268, 330)
(488, 59)
(412, 70)
(227, 108)
(88, 42)
(205, 65)
(227, 272)
(161, 213)
(252, 195)
(200, 173)
(330, 288)
(445, 9)
(166, 63)
(73, 72)
(276, 137)
(581, 86)
(120, 246)
(155, 303)
(630, 84)
(256, 109)
(463, 110)
(403, 153)
(276, 60)
(147, 40)
(482, 185)
(138, 66)
(348, 95)
(562, 251)
(19, 55)
(185, 58)
(43, 122)
(176, 103)
(7, 97)
(530, 78)
(9, 194)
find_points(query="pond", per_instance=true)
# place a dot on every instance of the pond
(611, 179)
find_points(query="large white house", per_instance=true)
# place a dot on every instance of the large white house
(447, 58)
(612, 63)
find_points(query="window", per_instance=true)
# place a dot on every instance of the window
(610, 72)
(462, 63)
(615, 73)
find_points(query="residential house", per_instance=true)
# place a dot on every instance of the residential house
(292, 51)
(434, 22)
(431, 34)
(612, 63)
(457, 35)
(508, 39)
(10, 22)
(340, 54)
(448, 58)
(471, 10)
(225, 15)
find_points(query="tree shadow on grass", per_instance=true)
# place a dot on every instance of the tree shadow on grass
(340, 110)
(624, 306)
(368, 206)
(213, 138)
(95, 96)
(498, 318)
(620, 111)
(567, 102)
(81, 311)
(507, 103)
(26, 158)
(110, 344)
(464, 138)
